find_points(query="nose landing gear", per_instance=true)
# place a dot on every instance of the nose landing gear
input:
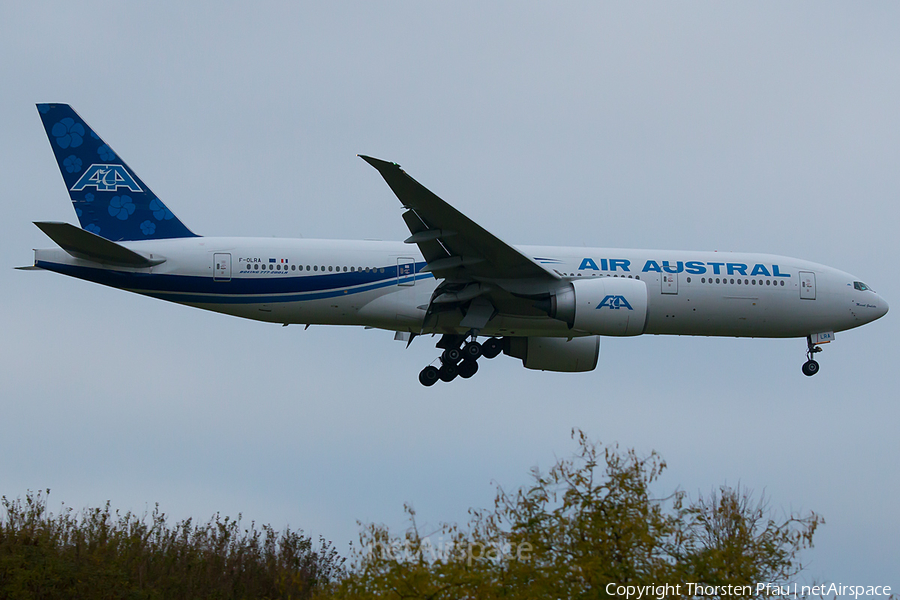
(459, 358)
(811, 367)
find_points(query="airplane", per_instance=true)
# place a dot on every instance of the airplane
(548, 306)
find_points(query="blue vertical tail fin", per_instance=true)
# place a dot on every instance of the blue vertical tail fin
(109, 198)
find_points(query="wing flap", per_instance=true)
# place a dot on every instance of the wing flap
(430, 246)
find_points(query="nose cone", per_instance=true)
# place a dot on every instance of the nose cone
(865, 305)
(881, 307)
(868, 308)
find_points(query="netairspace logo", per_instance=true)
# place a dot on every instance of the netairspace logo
(772, 590)
(442, 550)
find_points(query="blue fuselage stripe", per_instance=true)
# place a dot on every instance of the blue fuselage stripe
(246, 290)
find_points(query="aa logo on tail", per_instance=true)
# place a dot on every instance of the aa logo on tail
(615, 302)
(106, 178)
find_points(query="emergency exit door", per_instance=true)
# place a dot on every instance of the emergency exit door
(221, 266)
(669, 283)
(807, 285)
(406, 271)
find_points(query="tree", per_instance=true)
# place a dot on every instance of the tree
(589, 523)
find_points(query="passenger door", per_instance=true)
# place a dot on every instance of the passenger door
(807, 285)
(221, 266)
(406, 271)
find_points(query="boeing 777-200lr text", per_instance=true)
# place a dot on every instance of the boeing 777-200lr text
(548, 306)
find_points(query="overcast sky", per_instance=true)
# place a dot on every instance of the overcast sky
(766, 127)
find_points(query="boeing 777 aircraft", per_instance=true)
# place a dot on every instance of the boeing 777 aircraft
(548, 306)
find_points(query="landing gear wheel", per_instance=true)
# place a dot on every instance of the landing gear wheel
(451, 355)
(810, 368)
(467, 368)
(429, 376)
(472, 351)
(448, 372)
(491, 348)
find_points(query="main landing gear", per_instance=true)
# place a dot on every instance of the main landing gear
(459, 358)
(811, 367)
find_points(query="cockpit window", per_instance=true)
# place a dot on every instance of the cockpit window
(859, 285)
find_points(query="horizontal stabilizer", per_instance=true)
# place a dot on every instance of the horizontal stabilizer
(90, 246)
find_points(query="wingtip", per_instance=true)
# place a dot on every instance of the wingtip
(377, 162)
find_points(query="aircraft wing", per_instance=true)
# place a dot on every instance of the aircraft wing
(482, 275)
(454, 246)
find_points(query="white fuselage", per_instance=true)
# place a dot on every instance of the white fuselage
(380, 284)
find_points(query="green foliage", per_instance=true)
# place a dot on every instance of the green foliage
(590, 521)
(105, 554)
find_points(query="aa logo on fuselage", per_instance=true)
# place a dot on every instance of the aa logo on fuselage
(106, 178)
(614, 302)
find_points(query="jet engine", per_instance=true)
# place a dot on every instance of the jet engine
(573, 355)
(601, 305)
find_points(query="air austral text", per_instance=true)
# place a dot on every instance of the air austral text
(692, 267)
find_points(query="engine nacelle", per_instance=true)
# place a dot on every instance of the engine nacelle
(602, 305)
(574, 355)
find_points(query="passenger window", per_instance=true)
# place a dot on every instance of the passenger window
(703, 280)
(256, 266)
(688, 279)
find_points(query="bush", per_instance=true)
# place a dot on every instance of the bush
(104, 554)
